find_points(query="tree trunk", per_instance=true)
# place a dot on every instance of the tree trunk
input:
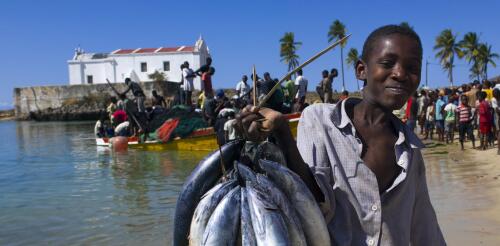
(342, 65)
(451, 70)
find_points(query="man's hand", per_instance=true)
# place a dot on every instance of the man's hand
(256, 124)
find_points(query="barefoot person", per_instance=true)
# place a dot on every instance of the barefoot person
(363, 165)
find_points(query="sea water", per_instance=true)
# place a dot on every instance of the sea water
(58, 188)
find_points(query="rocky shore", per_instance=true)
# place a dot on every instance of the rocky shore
(7, 114)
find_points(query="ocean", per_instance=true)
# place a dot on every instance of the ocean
(58, 188)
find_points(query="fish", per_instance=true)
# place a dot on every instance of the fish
(246, 229)
(245, 172)
(224, 224)
(205, 208)
(267, 221)
(294, 228)
(310, 216)
(202, 178)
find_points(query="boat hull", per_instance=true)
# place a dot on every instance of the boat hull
(200, 142)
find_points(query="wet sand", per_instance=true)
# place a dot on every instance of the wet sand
(465, 191)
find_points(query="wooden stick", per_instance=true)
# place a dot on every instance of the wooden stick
(254, 78)
(271, 92)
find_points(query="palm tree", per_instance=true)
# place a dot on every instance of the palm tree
(486, 56)
(337, 31)
(470, 47)
(351, 59)
(288, 49)
(447, 47)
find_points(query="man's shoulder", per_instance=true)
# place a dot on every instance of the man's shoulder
(317, 113)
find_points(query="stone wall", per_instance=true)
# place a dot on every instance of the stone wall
(77, 102)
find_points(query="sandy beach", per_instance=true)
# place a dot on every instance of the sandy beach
(465, 191)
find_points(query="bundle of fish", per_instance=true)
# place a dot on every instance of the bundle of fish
(260, 202)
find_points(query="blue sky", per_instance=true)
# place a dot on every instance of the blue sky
(38, 37)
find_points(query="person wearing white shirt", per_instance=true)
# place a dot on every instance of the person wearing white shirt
(301, 85)
(242, 87)
(188, 75)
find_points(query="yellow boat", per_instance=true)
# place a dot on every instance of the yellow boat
(201, 140)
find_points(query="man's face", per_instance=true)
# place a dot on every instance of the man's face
(244, 79)
(392, 71)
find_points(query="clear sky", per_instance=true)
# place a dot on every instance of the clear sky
(38, 37)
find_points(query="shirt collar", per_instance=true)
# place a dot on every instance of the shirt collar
(341, 120)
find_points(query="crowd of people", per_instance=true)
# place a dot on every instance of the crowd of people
(130, 117)
(472, 110)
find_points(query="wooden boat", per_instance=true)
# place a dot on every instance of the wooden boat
(202, 139)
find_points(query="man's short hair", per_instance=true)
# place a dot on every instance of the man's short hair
(386, 31)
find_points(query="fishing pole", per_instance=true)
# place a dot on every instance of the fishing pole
(271, 92)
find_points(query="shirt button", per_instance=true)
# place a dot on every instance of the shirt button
(374, 207)
(370, 242)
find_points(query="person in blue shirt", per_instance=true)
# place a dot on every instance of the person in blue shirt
(440, 104)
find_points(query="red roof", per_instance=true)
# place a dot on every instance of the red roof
(146, 50)
(123, 51)
(188, 48)
(154, 50)
(171, 49)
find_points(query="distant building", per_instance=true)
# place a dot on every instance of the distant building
(95, 68)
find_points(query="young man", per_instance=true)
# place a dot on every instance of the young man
(326, 87)
(188, 76)
(301, 84)
(137, 92)
(242, 88)
(363, 164)
(429, 117)
(205, 72)
(439, 118)
(465, 118)
(449, 120)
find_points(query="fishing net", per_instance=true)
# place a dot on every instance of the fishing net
(179, 121)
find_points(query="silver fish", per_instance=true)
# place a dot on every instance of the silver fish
(223, 225)
(267, 221)
(202, 178)
(292, 222)
(247, 233)
(205, 208)
(310, 216)
(245, 172)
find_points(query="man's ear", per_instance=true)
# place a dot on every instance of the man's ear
(361, 68)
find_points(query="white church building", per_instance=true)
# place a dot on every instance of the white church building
(138, 64)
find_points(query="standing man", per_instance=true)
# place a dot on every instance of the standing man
(205, 72)
(326, 86)
(188, 75)
(242, 88)
(181, 87)
(439, 110)
(137, 92)
(333, 74)
(301, 84)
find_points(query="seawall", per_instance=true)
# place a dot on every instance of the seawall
(77, 102)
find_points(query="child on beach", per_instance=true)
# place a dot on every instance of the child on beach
(465, 118)
(484, 112)
(363, 165)
(449, 120)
